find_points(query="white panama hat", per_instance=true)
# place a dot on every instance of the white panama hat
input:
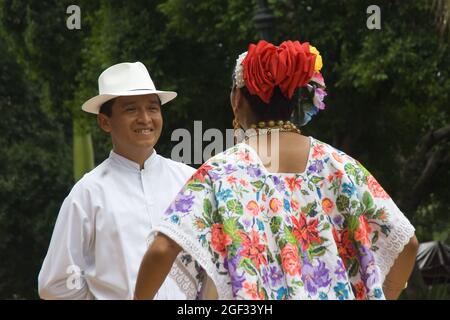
(124, 79)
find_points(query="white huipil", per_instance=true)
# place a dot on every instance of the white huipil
(101, 231)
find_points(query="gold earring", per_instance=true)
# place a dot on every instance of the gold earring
(236, 124)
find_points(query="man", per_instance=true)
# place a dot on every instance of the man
(101, 230)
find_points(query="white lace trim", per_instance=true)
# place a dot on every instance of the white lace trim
(393, 245)
(186, 279)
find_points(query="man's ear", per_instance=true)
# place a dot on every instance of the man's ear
(104, 122)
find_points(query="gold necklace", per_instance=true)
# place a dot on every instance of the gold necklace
(264, 127)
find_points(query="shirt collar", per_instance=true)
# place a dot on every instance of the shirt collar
(129, 164)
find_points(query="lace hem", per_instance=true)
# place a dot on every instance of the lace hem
(394, 244)
(186, 279)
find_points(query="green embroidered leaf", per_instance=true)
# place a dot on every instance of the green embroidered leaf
(207, 220)
(375, 237)
(230, 227)
(316, 179)
(281, 243)
(304, 192)
(310, 206)
(326, 226)
(319, 251)
(221, 211)
(275, 223)
(257, 184)
(353, 223)
(195, 186)
(354, 204)
(271, 193)
(342, 203)
(365, 172)
(354, 266)
(247, 265)
(235, 206)
(369, 213)
(217, 218)
(385, 230)
(350, 169)
(367, 200)
(289, 236)
(207, 207)
(270, 257)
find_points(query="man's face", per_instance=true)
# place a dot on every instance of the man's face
(135, 124)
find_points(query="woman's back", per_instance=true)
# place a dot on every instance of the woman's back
(292, 151)
(313, 234)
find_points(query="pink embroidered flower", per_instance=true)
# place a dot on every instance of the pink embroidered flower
(375, 188)
(362, 233)
(252, 207)
(275, 205)
(327, 205)
(219, 239)
(290, 260)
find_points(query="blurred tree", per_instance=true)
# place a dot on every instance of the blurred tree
(34, 177)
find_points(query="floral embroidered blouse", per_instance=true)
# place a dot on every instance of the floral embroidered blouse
(330, 232)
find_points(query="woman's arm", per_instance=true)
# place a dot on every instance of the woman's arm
(155, 266)
(400, 272)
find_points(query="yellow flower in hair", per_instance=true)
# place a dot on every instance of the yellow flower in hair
(318, 65)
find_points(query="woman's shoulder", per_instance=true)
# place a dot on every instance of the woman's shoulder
(335, 159)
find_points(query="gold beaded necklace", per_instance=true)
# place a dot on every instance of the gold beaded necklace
(266, 127)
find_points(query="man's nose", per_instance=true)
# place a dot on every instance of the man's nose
(144, 116)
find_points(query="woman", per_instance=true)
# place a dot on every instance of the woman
(310, 223)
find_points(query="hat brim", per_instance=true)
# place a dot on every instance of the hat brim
(93, 105)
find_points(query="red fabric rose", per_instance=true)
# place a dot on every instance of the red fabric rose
(289, 66)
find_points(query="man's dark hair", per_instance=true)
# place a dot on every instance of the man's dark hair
(106, 108)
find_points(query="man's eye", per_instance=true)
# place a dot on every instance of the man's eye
(128, 109)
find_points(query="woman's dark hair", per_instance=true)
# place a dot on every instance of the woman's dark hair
(106, 108)
(279, 107)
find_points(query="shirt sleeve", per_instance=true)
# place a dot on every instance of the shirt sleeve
(378, 226)
(62, 272)
(191, 221)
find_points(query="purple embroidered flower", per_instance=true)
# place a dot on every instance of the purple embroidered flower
(276, 276)
(312, 168)
(214, 176)
(308, 277)
(322, 275)
(279, 184)
(229, 169)
(265, 275)
(316, 166)
(338, 220)
(183, 203)
(340, 271)
(253, 171)
(369, 269)
(319, 165)
(236, 279)
(247, 223)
